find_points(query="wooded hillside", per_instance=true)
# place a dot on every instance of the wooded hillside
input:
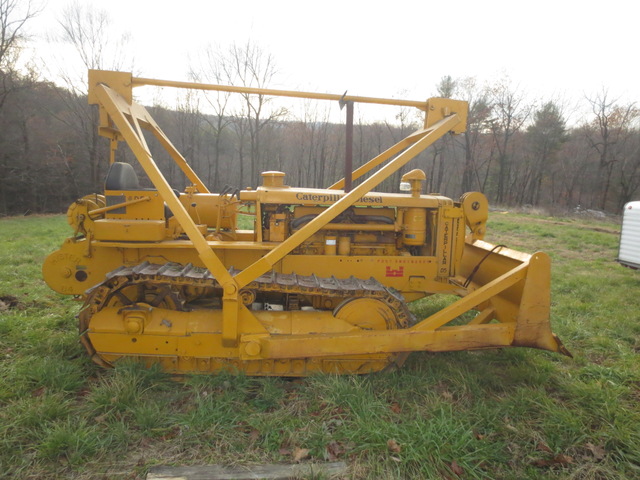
(516, 151)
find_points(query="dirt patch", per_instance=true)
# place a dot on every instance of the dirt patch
(8, 302)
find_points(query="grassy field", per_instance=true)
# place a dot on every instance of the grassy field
(506, 414)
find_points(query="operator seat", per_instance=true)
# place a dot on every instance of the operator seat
(122, 176)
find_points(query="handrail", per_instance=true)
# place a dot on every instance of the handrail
(139, 82)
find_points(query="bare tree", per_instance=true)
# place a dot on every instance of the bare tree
(405, 123)
(214, 68)
(14, 15)
(474, 138)
(93, 36)
(446, 88)
(308, 141)
(609, 131)
(630, 171)
(571, 171)
(189, 133)
(90, 32)
(509, 114)
(250, 66)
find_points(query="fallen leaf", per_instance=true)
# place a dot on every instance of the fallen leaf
(511, 427)
(559, 459)
(334, 450)
(543, 447)
(38, 392)
(254, 435)
(479, 436)
(83, 392)
(395, 459)
(300, 454)
(172, 433)
(337, 412)
(563, 459)
(393, 446)
(597, 451)
(542, 463)
(100, 418)
(513, 448)
(457, 469)
(395, 407)
(284, 452)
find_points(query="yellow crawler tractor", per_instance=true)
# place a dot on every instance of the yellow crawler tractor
(320, 283)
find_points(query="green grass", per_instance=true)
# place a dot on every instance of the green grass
(506, 414)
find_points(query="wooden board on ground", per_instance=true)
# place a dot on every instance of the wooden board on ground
(253, 472)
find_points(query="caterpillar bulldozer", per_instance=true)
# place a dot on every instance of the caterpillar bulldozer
(321, 282)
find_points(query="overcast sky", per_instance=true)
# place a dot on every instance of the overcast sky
(550, 49)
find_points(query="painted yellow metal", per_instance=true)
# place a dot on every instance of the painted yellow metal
(266, 263)
(138, 82)
(476, 212)
(116, 107)
(319, 285)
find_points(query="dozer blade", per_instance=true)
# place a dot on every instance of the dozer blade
(509, 290)
(513, 288)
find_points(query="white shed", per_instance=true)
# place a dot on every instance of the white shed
(629, 253)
